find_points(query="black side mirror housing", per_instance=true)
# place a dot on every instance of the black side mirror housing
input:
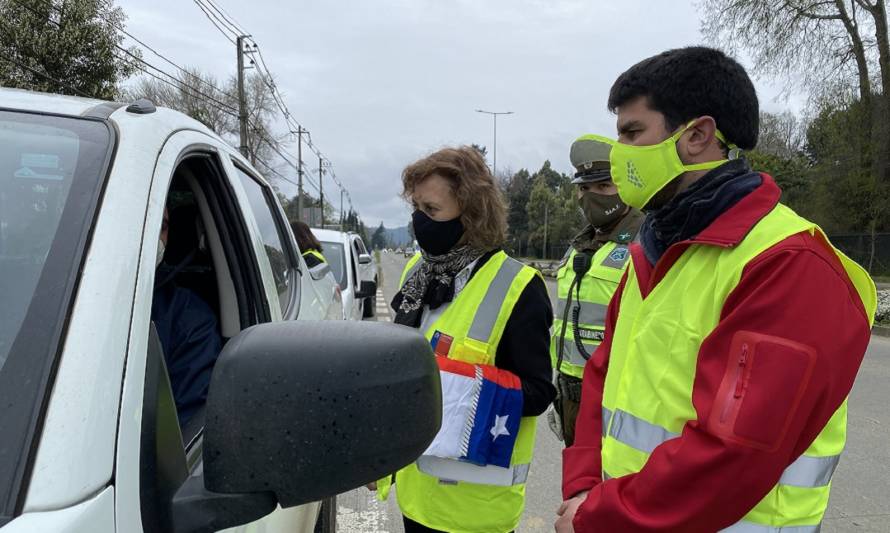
(305, 410)
(366, 289)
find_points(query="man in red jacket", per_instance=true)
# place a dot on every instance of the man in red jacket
(717, 400)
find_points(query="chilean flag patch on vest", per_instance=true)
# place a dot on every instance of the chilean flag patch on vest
(481, 411)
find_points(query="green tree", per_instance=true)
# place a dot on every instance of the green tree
(840, 53)
(73, 41)
(517, 192)
(378, 239)
(541, 203)
(553, 218)
(843, 186)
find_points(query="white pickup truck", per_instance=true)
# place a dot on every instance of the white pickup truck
(298, 408)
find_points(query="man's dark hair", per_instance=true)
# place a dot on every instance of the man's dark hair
(686, 83)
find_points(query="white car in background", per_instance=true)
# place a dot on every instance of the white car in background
(367, 268)
(343, 253)
(90, 436)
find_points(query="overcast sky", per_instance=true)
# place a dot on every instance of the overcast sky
(380, 83)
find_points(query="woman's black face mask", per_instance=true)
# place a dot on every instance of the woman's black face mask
(436, 238)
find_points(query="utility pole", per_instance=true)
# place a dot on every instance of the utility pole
(321, 188)
(341, 208)
(546, 213)
(494, 114)
(300, 173)
(242, 101)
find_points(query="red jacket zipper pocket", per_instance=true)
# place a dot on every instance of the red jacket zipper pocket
(737, 384)
(761, 388)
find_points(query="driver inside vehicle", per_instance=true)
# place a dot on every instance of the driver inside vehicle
(189, 334)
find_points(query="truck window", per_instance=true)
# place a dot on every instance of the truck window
(275, 239)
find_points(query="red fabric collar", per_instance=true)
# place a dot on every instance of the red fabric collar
(727, 230)
(731, 227)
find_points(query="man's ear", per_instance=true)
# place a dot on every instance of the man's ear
(699, 143)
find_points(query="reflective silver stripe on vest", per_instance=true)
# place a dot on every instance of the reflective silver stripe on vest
(637, 433)
(488, 310)
(319, 271)
(456, 470)
(809, 471)
(413, 269)
(607, 415)
(750, 527)
(591, 314)
(571, 354)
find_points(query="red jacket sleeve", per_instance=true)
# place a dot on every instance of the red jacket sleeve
(581, 464)
(797, 320)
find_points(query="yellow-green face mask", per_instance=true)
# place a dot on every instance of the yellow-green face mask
(641, 171)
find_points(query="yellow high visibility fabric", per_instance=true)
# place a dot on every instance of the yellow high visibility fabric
(655, 349)
(411, 262)
(597, 287)
(462, 507)
(316, 254)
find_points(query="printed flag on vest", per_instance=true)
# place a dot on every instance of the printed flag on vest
(481, 411)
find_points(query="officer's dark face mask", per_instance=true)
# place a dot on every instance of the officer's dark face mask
(436, 238)
(600, 210)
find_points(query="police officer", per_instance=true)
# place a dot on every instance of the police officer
(589, 275)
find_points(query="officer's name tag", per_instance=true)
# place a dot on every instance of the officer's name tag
(591, 334)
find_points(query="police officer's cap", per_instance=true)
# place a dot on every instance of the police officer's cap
(590, 157)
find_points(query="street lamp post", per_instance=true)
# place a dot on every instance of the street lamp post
(494, 115)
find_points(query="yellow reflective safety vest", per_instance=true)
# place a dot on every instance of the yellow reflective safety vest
(647, 397)
(596, 289)
(321, 269)
(457, 496)
(316, 254)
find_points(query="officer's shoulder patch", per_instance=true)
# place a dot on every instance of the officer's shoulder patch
(617, 257)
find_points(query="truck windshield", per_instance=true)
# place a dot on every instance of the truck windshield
(51, 170)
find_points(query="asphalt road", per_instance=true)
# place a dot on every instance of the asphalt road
(860, 495)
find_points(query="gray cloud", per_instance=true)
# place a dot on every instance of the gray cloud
(382, 83)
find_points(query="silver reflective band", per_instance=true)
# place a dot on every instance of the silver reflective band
(637, 433)
(455, 470)
(606, 476)
(319, 271)
(607, 415)
(809, 471)
(592, 314)
(750, 527)
(487, 312)
(571, 354)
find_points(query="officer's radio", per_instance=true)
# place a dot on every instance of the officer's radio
(581, 263)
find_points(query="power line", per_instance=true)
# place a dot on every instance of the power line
(180, 82)
(226, 16)
(46, 76)
(213, 19)
(225, 24)
(168, 60)
(138, 59)
(123, 30)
